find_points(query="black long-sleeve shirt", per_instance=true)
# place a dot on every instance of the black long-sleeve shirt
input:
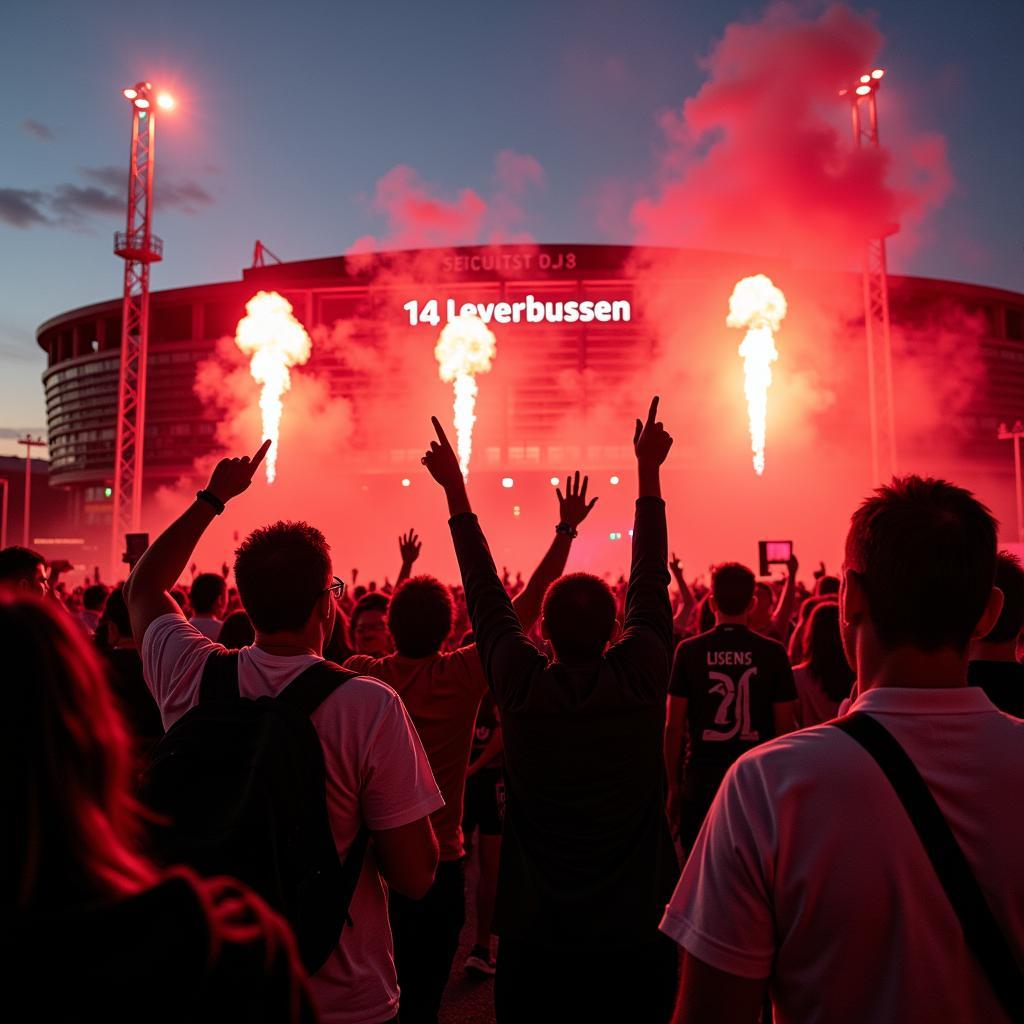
(586, 858)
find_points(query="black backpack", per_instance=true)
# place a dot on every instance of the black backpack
(240, 789)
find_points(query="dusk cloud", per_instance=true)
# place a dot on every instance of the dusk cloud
(73, 204)
(37, 129)
(22, 208)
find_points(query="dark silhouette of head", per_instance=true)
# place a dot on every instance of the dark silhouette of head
(208, 593)
(824, 649)
(923, 553)
(1010, 580)
(237, 631)
(115, 614)
(68, 764)
(23, 569)
(826, 586)
(367, 625)
(578, 616)
(732, 588)
(282, 572)
(94, 597)
(420, 615)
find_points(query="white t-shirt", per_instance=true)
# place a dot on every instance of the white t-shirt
(377, 772)
(209, 626)
(808, 870)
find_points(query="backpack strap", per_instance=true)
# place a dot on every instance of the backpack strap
(311, 687)
(220, 677)
(982, 933)
(306, 692)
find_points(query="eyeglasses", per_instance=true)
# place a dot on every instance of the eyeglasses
(337, 588)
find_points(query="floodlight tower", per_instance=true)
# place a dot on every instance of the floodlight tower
(875, 274)
(138, 247)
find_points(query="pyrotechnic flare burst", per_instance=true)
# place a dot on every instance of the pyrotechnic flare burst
(276, 341)
(464, 349)
(759, 306)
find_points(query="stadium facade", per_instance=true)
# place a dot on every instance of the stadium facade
(82, 347)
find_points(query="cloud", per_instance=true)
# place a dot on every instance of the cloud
(37, 129)
(419, 215)
(22, 208)
(72, 204)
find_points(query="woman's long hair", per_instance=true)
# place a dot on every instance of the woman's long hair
(74, 830)
(825, 656)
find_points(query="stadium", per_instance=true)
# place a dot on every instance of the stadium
(365, 312)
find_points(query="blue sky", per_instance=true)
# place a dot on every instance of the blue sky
(289, 115)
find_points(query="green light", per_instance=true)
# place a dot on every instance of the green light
(108, 492)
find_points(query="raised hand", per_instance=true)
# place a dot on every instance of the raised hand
(232, 476)
(441, 460)
(675, 566)
(409, 546)
(573, 507)
(792, 565)
(651, 441)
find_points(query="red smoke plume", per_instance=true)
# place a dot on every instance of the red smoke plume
(418, 216)
(762, 159)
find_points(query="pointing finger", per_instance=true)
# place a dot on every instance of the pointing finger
(653, 411)
(260, 454)
(439, 430)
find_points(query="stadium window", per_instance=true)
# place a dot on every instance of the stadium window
(1014, 323)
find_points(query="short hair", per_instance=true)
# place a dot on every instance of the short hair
(925, 553)
(207, 589)
(94, 597)
(1010, 580)
(826, 586)
(371, 601)
(236, 631)
(579, 615)
(18, 563)
(732, 587)
(282, 571)
(420, 615)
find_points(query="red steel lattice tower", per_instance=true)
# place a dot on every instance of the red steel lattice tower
(138, 247)
(875, 275)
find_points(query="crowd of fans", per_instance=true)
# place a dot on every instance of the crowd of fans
(667, 825)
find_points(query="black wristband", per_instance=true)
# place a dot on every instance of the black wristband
(569, 531)
(211, 499)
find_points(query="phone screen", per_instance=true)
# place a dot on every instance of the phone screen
(778, 550)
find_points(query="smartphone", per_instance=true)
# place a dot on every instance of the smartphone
(773, 552)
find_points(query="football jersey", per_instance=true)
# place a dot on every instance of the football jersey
(731, 678)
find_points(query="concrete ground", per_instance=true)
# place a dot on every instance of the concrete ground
(468, 999)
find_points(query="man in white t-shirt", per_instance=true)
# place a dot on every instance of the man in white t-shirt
(808, 879)
(377, 771)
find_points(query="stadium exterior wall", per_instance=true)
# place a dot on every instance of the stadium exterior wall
(82, 347)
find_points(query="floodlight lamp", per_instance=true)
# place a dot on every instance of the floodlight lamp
(865, 78)
(129, 94)
(165, 102)
(877, 73)
(142, 104)
(863, 90)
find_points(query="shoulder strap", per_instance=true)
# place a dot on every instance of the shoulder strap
(311, 687)
(982, 933)
(220, 677)
(306, 692)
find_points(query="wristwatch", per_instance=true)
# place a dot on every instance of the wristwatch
(569, 531)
